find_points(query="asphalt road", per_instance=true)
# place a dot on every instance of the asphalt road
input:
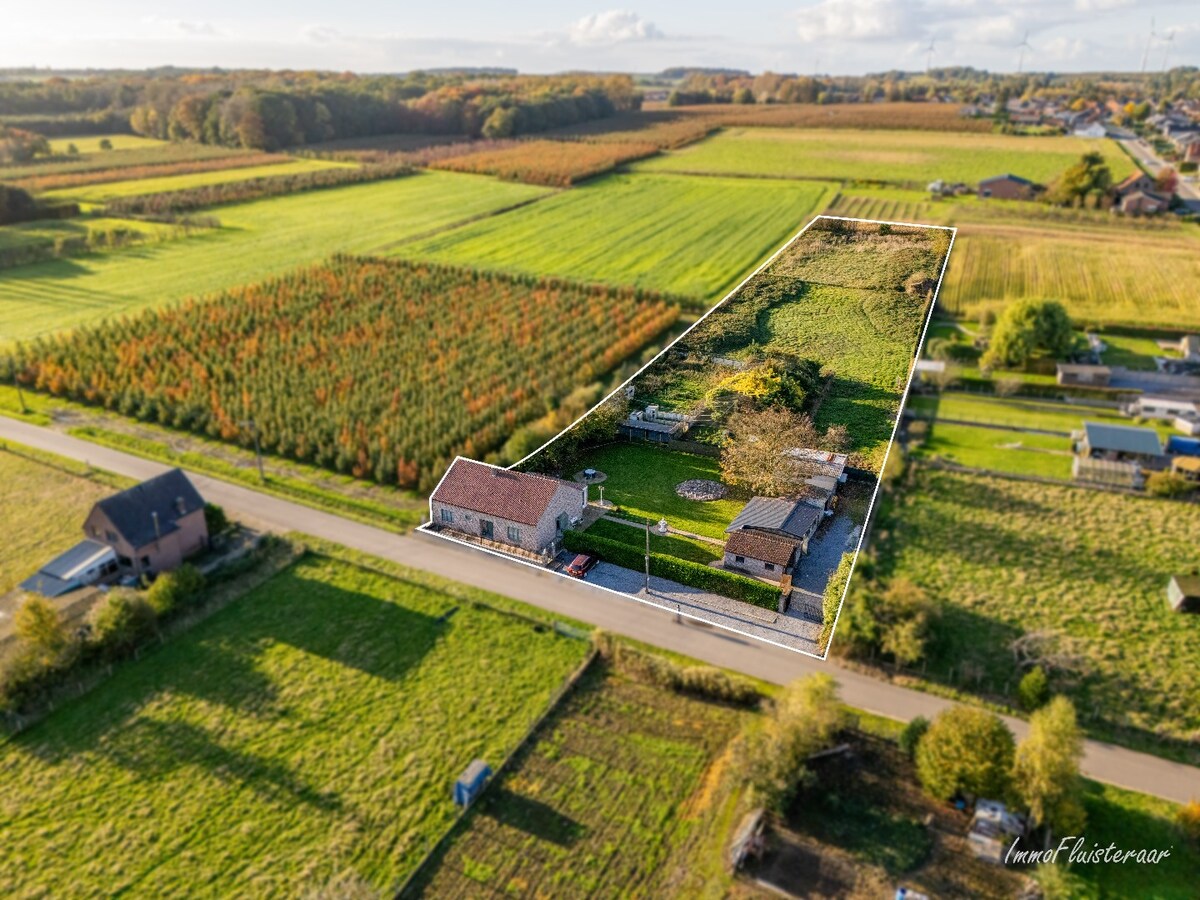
(566, 597)
(1144, 153)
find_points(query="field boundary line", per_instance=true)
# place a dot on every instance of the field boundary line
(461, 223)
(556, 700)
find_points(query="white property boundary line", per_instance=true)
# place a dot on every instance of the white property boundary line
(729, 296)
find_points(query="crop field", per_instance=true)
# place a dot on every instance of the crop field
(90, 143)
(66, 180)
(622, 778)
(919, 116)
(552, 163)
(111, 190)
(256, 240)
(696, 237)
(43, 505)
(905, 157)
(152, 154)
(46, 231)
(1103, 276)
(309, 731)
(663, 128)
(1088, 569)
(380, 368)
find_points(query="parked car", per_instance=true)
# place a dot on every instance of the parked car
(581, 565)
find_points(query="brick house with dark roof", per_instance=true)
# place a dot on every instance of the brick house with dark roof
(760, 553)
(507, 507)
(153, 526)
(1007, 187)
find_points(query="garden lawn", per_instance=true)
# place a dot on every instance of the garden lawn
(309, 731)
(998, 450)
(620, 795)
(43, 504)
(1006, 558)
(257, 239)
(642, 479)
(111, 190)
(693, 236)
(907, 157)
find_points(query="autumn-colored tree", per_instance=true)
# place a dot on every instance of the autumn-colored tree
(756, 452)
(38, 623)
(1046, 769)
(966, 751)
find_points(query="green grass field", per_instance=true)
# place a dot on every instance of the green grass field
(90, 143)
(256, 240)
(642, 479)
(612, 799)
(46, 231)
(95, 194)
(1089, 568)
(43, 505)
(998, 450)
(1019, 413)
(693, 236)
(309, 731)
(893, 156)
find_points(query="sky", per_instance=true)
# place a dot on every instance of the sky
(838, 37)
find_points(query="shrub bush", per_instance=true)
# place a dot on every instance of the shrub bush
(966, 751)
(120, 621)
(1034, 689)
(727, 584)
(703, 681)
(1188, 819)
(912, 734)
(172, 590)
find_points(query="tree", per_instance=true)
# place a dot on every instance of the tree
(501, 123)
(1087, 177)
(105, 144)
(1168, 484)
(1046, 768)
(966, 751)
(1026, 328)
(121, 620)
(755, 455)
(37, 622)
(1167, 181)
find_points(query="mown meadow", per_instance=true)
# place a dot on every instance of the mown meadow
(1088, 569)
(902, 157)
(255, 240)
(307, 734)
(593, 810)
(696, 237)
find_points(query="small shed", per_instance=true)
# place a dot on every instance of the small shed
(471, 783)
(1183, 593)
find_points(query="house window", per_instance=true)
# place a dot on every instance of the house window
(145, 562)
(447, 515)
(514, 534)
(741, 559)
(111, 537)
(770, 567)
(486, 529)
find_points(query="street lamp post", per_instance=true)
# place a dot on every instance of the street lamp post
(253, 426)
(647, 556)
(20, 394)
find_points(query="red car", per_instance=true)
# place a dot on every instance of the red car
(581, 565)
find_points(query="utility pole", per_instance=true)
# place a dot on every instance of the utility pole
(647, 556)
(20, 395)
(253, 426)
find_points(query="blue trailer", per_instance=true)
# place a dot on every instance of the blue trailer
(471, 783)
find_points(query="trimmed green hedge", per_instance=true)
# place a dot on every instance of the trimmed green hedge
(727, 584)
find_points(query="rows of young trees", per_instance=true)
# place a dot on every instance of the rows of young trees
(63, 180)
(383, 369)
(173, 203)
(551, 163)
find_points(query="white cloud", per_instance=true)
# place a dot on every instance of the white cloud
(1102, 5)
(857, 20)
(1064, 49)
(192, 28)
(615, 26)
(321, 34)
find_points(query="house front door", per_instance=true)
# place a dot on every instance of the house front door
(486, 528)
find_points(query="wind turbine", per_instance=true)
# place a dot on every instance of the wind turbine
(1149, 40)
(1167, 40)
(1024, 45)
(929, 55)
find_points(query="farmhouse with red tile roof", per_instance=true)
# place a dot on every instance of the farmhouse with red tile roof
(507, 507)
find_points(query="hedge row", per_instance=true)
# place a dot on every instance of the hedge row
(727, 584)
